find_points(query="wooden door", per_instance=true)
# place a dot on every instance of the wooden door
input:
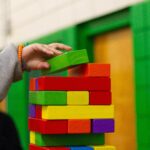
(116, 48)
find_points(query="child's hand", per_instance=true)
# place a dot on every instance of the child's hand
(35, 55)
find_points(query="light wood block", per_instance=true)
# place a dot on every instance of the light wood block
(77, 98)
(77, 112)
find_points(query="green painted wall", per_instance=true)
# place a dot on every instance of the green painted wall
(17, 107)
(140, 24)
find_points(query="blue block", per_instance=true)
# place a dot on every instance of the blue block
(81, 148)
(32, 112)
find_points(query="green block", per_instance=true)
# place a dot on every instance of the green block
(69, 139)
(77, 57)
(67, 59)
(48, 97)
(140, 73)
(143, 134)
(139, 42)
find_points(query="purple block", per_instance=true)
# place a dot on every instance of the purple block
(36, 84)
(32, 111)
(102, 125)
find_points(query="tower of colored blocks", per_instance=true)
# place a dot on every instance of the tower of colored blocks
(73, 112)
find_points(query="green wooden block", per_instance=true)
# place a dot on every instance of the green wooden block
(77, 57)
(58, 63)
(67, 59)
(69, 139)
(48, 97)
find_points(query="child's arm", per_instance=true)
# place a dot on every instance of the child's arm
(34, 56)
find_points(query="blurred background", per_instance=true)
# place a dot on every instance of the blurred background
(113, 31)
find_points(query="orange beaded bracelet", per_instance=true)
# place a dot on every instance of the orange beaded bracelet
(20, 48)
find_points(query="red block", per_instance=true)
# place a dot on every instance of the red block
(34, 147)
(48, 126)
(99, 98)
(38, 111)
(91, 70)
(74, 83)
(32, 84)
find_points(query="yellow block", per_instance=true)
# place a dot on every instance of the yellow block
(77, 97)
(78, 112)
(32, 137)
(104, 148)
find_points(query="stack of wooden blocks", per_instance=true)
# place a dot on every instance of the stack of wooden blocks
(74, 112)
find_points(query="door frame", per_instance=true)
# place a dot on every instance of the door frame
(88, 30)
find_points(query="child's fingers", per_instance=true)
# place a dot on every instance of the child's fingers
(43, 49)
(56, 52)
(42, 66)
(51, 49)
(60, 46)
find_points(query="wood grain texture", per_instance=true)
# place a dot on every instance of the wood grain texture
(115, 48)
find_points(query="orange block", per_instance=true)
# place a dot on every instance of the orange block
(32, 85)
(79, 126)
(91, 69)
